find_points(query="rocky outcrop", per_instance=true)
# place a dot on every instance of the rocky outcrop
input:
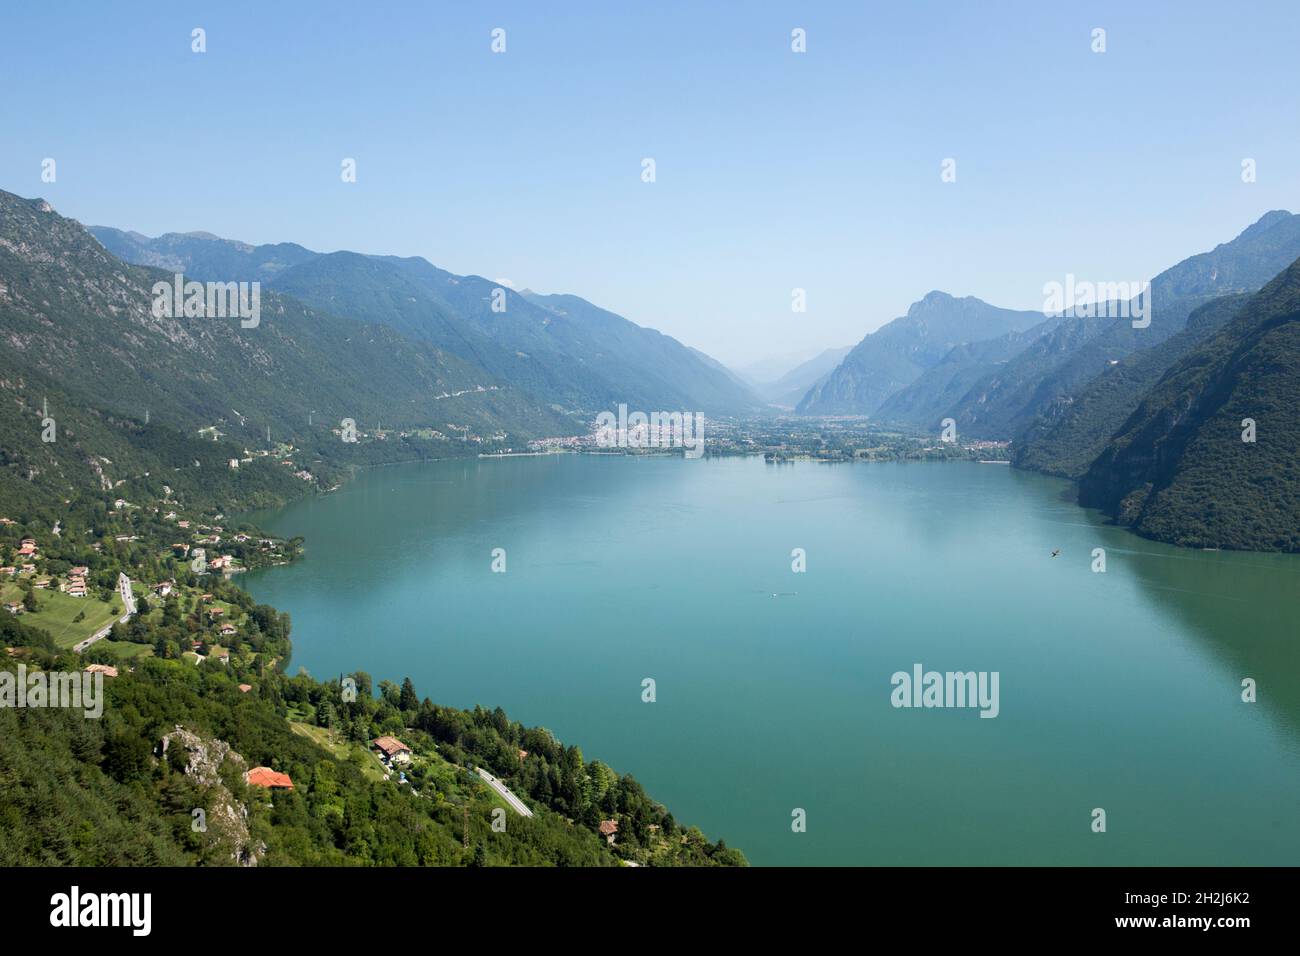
(223, 818)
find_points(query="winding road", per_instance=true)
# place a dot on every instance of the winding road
(515, 803)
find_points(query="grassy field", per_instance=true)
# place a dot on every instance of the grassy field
(125, 650)
(57, 614)
(340, 749)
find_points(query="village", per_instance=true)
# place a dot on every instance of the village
(78, 593)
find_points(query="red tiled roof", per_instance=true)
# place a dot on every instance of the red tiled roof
(391, 745)
(608, 826)
(266, 777)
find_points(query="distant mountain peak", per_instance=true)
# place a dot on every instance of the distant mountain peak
(1265, 222)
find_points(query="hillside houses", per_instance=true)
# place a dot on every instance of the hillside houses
(74, 587)
(392, 750)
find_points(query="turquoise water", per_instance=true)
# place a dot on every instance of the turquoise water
(1119, 690)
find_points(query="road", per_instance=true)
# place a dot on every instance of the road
(515, 803)
(128, 603)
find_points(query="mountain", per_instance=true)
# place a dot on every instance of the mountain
(669, 374)
(899, 353)
(739, 380)
(786, 390)
(926, 402)
(1178, 470)
(1037, 386)
(772, 367)
(1085, 423)
(81, 339)
(558, 349)
(203, 254)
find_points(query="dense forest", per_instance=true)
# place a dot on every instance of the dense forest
(102, 792)
(1211, 456)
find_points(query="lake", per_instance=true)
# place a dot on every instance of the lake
(1119, 690)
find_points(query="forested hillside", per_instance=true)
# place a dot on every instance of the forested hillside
(1084, 424)
(558, 349)
(1211, 457)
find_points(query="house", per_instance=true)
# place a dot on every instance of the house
(228, 629)
(181, 548)
(29, 569)
(27, 547)
(522, 755)
(245, 688)
(216, 612)
(108, 670)
(9, 571)
(164, 589)
(222, 654)
(182, 524)
(79, 572)
(75, 587)
(266, 777)
(14, 607)
(609, 829)
(41, 583)
(7, 521)
(393, 749)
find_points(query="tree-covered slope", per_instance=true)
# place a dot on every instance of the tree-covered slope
(106, 792)
(1179, 471)
(1071, 440)
(76, 315)
(559, 349)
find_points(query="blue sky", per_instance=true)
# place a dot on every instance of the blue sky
(775, 170)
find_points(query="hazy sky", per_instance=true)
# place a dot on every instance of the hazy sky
(775, 170)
